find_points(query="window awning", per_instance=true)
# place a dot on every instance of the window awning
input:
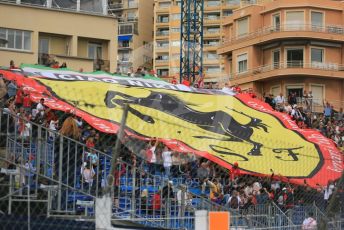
(125, 37)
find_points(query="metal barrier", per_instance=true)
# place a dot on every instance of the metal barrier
(45, 166)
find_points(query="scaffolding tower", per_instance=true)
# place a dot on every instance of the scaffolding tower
(191, 39)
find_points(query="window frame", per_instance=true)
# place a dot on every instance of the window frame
(22, 37)
(319, 48)
(248, 26)
(238, 63)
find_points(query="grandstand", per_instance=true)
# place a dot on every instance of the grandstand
(44, 169)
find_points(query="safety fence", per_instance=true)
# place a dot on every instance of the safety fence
(48, 174)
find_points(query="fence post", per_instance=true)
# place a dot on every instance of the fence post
(133, 198)
(38, 154)
(60, 174)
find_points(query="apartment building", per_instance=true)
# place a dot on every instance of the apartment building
(167, 19)
(135, 35)
(287, 46)
(32, 32)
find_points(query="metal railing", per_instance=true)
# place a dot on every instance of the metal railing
(289, 65)
(162, 33)
(63, 5)
(44, 156)
(326, 29)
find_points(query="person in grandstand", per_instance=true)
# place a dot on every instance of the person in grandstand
(309, 223)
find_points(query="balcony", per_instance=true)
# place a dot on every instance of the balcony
(162, 33)
(208, 61)
(285, 31)
(162, 48)
(212, 5)
(133, 5)
(124, 60)
(162, 21)
(211, 33)
(211, 47)
(124, 46)
(212, 20)
(164, 62)
(129, 19)
(245, 3)
(293, 68)
(231, 4)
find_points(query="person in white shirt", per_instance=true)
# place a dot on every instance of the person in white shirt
(182, 199)
(309, 223)
(87, 173)
(167, 159)
(40, 107)
(279, 100)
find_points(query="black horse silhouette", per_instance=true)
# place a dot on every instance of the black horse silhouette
(216, 121)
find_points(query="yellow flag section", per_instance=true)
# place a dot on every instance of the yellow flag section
(220, 125)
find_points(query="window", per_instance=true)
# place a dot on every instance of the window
(126, 29)
(295, 20)
(242, 63)
(131, 16)
(317, 55)
(162, 72)
(163, 18)
(276, 59)
(16, 39)
(318, 94)
(294, 57)
(147, 59)
(276, 21)
(317, 20)
(94, 51)
(227, 13)
(242, 25)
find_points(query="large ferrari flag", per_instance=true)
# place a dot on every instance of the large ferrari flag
(220, 127)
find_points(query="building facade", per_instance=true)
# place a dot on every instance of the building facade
(135, 36)
(35, 33)
(167, 20)
(287, 46)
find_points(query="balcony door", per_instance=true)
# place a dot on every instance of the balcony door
(276, 59)
(276, 19)
(295, 57)
(43, 49)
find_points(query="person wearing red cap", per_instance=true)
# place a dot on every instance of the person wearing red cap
(174, 80)
(185, 81)
(234, 172)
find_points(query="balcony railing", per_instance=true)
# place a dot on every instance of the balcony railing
(162, 33)
(115, 6)
(289, 65)
(162, 61)
(124, 45)
(327, 29)
(73, 6)
(163, 21)
(232, 3)
(133, 5)
(162, 47)
(253, 2)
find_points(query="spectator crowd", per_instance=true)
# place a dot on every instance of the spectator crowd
(228, 188)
